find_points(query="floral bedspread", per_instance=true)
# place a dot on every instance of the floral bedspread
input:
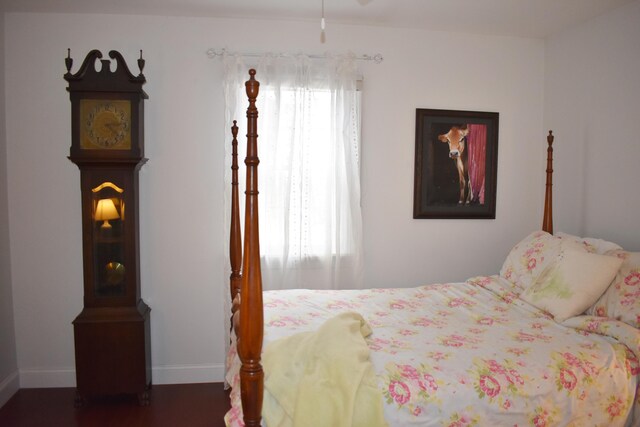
(474, 354)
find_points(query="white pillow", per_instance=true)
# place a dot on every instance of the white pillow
(572, 284)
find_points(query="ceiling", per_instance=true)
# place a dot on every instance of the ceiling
(522, 18)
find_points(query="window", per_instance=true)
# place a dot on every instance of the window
(306, 201)
(308, 144)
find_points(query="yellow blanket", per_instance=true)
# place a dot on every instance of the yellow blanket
(322, 378)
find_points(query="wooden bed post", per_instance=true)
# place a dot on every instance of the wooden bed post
(235, 241)
(251, 315)
(547, 222)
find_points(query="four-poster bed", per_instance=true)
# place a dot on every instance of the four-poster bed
(457, 354)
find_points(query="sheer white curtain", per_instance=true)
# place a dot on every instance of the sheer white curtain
(309, 173)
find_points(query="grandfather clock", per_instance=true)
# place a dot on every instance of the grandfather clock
(111, 334)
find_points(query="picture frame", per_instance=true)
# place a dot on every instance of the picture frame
(451, 144)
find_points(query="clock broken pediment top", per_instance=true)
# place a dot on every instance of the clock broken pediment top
(104, 79)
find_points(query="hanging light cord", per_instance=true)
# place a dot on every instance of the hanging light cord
(322, 34)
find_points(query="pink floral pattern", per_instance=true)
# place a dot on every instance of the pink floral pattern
(622, 299)
(616, 407)
(543, 417)
(399, 392)
(474, 354)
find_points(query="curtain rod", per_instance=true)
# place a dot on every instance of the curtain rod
(212, 53)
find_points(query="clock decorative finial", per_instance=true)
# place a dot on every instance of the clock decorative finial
(141, 62)
(68, 61)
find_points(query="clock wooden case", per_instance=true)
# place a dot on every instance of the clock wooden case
(112, 333)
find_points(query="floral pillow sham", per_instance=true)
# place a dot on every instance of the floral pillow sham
(533, 255)
(528, 259)
(621, 301)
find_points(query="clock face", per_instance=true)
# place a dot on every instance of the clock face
(105, 124)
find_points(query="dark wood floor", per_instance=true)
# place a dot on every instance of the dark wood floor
(176, 405)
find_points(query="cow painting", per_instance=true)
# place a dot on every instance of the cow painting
(455, 164)
(457, 140)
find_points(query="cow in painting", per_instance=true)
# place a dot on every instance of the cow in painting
(457, 140)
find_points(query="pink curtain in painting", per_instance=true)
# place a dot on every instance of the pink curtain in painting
(477, 152)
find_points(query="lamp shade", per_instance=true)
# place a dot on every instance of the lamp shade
(105, 211)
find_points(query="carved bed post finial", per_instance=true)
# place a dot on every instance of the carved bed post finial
(547, 222)
(235, 241)
(251, 320)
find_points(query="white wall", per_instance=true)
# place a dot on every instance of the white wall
(459, 72)
(9, 380)
(592, 93)
(182, 241)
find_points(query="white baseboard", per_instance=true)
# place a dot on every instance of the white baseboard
(8, 387)
(188, 374)
(47, 378)
(168, 374)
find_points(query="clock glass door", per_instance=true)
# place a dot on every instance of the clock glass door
(108, 227)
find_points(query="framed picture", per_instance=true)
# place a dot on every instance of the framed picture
(456, 164)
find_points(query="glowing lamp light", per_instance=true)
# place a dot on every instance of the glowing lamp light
(105, 211)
